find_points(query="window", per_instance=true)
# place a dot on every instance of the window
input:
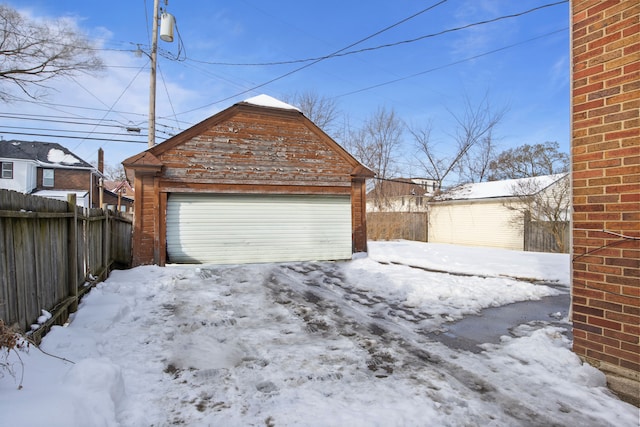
(47, 177)
(7, 170)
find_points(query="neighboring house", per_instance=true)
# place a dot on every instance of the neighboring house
(49, 170)
(257, 182)
(605, 148)
(118, 195)
(486, 213)
(401, 195)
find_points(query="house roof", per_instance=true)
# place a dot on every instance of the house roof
(116, 187)
(496, 189)
(397, 187)
(45, 153)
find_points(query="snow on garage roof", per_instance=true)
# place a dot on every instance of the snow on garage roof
(268, 101)
(492, 189)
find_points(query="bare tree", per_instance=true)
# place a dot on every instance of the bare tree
(110, 172)
(474, 165)
(320, 110)
(529, 160)
(376, 145)
(474, 144)
(31, 53)
(544, 203)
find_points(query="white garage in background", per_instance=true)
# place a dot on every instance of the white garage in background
(227, 229)
(479, 214)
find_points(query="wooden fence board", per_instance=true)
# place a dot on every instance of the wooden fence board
(414, 226)
(48, 249)
(397, 225)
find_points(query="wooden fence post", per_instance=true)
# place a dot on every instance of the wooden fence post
(106, 243)
(527, 231)
(73, 251)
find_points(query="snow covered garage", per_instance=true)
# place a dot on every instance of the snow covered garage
(257, 182)
(488, 213)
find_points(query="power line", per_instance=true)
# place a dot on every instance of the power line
(76, 120)
(384, 46)
(72, 137)
(317, 60)
(55, 119)
(63, 130)
(114, 103)
(471, 58)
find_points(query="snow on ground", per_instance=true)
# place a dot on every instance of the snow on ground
(474, 260)
(309, 344)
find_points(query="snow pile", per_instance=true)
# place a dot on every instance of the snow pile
(268, 101)
(303, 344)
(56, 155)
(475, 260)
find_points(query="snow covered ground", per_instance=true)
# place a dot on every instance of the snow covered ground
(311, 344)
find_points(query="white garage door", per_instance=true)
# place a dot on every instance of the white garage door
(229, 229)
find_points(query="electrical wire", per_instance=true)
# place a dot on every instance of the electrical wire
(317, 60)
(622, 239)
(60, 130)
(471, 58)
(338, 53)
(166, 90)
(89, 121)
(94, 95)
(384, 46)
(72, 137)
(114, 103)
(54, 119)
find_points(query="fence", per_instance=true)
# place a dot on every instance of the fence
(539, 236)
(49, 251)
(397, 225)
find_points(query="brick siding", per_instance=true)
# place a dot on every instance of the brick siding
(606, 189)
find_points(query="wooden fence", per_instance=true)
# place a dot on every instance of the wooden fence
(538, 236)
(50, 252)
(397, 225)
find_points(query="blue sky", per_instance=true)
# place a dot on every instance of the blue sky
(521, 63)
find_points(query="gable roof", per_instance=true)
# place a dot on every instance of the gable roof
(122, 186)
(497, 189)
(47, 154)
(148, 160)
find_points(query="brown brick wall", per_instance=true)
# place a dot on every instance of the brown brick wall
(72, 179)
(67, 179)
(606, 185)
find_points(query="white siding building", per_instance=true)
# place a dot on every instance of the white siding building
(481, 214)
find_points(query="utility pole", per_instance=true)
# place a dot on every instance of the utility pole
(152, 83)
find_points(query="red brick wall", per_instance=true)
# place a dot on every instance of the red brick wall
(606, 188)
(72, 179)
(67, 179)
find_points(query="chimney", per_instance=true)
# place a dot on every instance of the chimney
(100, 160)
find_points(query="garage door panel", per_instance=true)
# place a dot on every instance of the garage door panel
(240, 229)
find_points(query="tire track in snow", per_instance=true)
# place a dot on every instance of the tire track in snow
(387, 330)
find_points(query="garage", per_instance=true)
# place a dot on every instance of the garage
(257, 182)
(225, 229)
